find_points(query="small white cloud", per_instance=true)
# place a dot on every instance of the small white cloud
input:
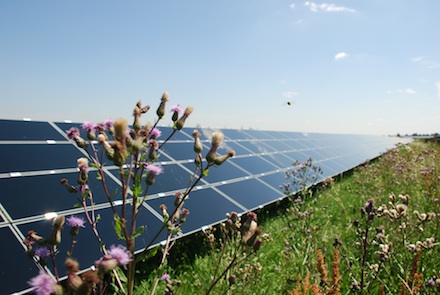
(341, 55)
(328, 7)
(426, 63)
(408, 91)
(289, 94)
(292, 6)
(417, 58)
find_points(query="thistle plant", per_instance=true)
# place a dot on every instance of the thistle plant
(235, 242)
(298, 188)
(134, 150)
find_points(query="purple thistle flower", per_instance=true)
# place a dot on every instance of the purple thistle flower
(155, 133)
(72, 133)
(88, 126)
(74, 221)
(154, 169)
(109, 123)
(100, 127)
(177, 109)
(43, 284)
(42, 252)
(165, 277)
(121, 254)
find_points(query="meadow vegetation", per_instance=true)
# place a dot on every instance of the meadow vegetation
(371, 231)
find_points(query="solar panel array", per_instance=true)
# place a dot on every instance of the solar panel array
(36, 155)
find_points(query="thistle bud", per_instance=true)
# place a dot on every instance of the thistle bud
(70, 188)
(232, 279)
(179, 123)
(198, 147)
(120, 127)
(185, 213)
(54, 237)
(216, 141)
(161, 109)
(220, 160)
(106, 264)
(120, 153)
(74, 281)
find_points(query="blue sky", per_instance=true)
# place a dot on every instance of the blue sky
(366, 66)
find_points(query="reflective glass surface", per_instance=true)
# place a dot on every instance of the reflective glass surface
(32, 154)
(28, 130)
(250, 193)
(16, 268)
(34, 157)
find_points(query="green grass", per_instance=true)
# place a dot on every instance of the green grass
(382, 249)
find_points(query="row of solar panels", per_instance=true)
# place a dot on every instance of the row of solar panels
(36, 155)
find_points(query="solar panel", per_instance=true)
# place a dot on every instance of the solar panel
(36, 155)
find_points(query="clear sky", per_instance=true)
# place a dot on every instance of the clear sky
(365, 66)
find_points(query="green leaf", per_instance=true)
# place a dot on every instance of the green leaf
(150, 253)
(95, 165)
(118, 227)
(98, 176)
(205, 172)
(138, 231)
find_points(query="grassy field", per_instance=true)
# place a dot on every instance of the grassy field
(371, 232)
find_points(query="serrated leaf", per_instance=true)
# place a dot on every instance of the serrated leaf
(118, 227)
(138, 231)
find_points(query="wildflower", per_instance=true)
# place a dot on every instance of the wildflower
(54, 237)
(73, 133)
(165, 277)
(43, 284)
(42, 252)
(176, 109)
(232, 279)
(161, 109)
(75, 223)
(216, 141)
(179, 123)
(121, 254)
(90, 128)
(155, 133)
(220, 160)
(120, 127)
(153, 171)
(108, 123)
(197, 143)
(184, 213)
(83, 166)
(109, 151)
(106, 263)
